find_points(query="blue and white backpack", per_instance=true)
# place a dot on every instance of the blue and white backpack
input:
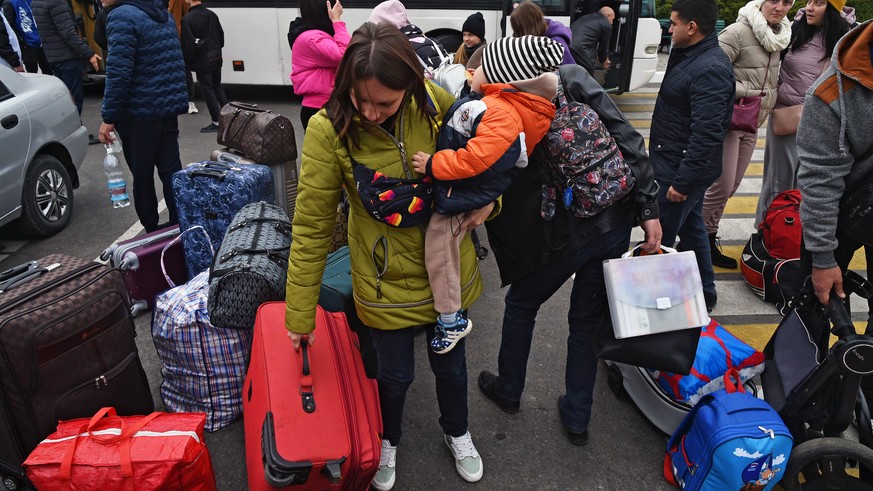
(730, 440)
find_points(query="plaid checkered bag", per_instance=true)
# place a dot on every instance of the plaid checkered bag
(204, 366)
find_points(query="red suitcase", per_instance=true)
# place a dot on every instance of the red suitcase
(139, 260)
(311, 417)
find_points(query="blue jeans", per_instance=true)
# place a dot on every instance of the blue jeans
(72, 73)
(396, 353)
(685, 220)
(587, 305)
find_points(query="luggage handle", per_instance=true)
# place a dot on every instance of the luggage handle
(306, 393)
(17, 270)
(729, 385)
(283, 226)
(637, 251)
(246, 105)
(25, 277)
(248, 117)
(65, 473)
(275, 254)
(176, 239)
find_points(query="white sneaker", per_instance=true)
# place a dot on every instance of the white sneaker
(384, 478)
(467, 459)
(192, 109)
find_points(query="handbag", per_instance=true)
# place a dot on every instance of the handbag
(672, 351)
(394, 201)
(746, 112)
(251, 265)
(640, 306)
(786, 119)
(156, 452)
(747, 109)
(260, 134)
(856, 212)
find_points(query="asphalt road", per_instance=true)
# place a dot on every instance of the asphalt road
(527, 450)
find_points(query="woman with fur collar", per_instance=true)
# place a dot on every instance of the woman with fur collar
(752, 44)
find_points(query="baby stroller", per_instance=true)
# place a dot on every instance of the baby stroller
(817, 390)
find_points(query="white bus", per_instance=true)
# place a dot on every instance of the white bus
(256, 50)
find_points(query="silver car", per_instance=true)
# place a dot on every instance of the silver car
(42, 144)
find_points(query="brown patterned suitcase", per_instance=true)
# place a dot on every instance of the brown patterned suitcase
(67, 349)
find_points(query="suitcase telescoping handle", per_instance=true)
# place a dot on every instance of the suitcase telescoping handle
(216, 170)
(306, 395)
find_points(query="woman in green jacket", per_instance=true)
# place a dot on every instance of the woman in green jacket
(382, 111)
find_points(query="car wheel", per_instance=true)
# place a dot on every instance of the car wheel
(47, 198)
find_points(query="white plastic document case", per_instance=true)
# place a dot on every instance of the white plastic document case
(655, 293)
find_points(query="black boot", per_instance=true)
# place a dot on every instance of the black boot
(719, 259)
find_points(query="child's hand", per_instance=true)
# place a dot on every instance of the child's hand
(419, 162)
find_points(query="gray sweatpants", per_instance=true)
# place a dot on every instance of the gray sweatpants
(780, 168)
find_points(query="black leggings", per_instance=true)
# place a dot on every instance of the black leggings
(306, 113)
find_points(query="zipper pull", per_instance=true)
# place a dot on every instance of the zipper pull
(378, 288)
(765, 430)
(568, 194)
(101, 381)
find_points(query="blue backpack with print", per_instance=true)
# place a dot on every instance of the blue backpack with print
(730, 440)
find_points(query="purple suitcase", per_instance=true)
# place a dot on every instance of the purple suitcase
(139, 260)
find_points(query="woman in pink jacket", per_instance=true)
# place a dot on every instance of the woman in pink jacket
(318, 39)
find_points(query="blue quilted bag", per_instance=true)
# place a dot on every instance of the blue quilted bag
(210, 194)
(729, 440)
(204, 366)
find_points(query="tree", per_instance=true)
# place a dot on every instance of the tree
(727, 9)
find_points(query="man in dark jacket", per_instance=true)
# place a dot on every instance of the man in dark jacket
(590, 39)
(202, 40)
(63, 47)
(145, 92)
(536, 257)
(692, 113)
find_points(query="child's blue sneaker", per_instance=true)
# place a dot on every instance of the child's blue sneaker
(446, 336)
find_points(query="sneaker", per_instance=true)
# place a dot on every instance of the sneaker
(447, 336)
(384, 478)
(488, 386)
(718, 257)
(710, 299)
(575, 437)
(467, 459)
(192, 109)
(481, 253)
(209, 129)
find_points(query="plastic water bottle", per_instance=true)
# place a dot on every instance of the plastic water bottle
(115, 178)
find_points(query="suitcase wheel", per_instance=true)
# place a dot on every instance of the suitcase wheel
(10, 483)
(615, 380)
(138, 307)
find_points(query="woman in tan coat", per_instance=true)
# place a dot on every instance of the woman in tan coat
(753, 44)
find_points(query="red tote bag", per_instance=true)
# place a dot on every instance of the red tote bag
(161, 451)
